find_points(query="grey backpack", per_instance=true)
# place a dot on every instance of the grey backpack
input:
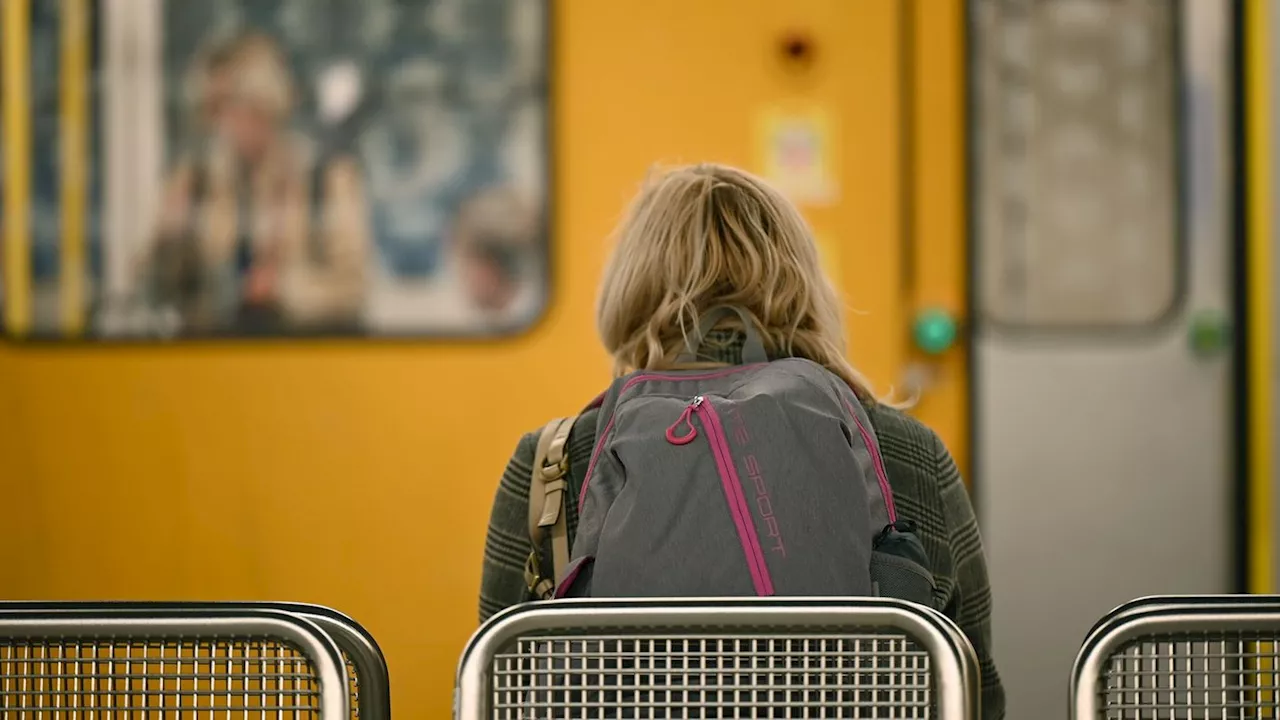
(758, 479)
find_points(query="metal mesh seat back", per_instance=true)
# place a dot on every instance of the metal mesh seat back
(353, 677)
(123, 678)
(721, 676)
(1197, 676)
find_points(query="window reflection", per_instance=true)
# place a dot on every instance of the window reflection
(326, 170)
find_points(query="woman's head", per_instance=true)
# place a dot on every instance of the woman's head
(248, 92)
(707, 235)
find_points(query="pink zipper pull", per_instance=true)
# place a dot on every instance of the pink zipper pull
(687, 438)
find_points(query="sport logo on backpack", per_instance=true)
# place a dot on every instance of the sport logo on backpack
(759, 479)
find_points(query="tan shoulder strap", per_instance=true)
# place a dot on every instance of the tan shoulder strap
(547, 491)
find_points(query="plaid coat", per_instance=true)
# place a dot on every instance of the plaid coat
(927, 488)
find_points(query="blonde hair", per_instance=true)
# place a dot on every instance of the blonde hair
(197, 81)
(258, 70)
(707, 235)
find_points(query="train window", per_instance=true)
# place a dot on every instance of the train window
(302, 167)
(40, 243)
(1075, 138)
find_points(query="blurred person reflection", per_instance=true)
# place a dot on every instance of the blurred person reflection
(416, 158)
(240, 246)
(216, 256)
(324, 284)
(502, 89)
(497, 238)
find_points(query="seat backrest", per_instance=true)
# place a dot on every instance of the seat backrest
(748, 657)
(367, 672)
(1211, 656)
(64, 660)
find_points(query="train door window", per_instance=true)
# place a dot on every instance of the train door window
(1076, 181)
(303, 167)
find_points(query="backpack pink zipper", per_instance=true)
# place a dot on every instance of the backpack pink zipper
(881, 476)
(733, 494)
(608, 428)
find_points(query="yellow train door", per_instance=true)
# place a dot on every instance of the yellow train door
(360, 475)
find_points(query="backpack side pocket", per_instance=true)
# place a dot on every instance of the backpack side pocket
(900, 567)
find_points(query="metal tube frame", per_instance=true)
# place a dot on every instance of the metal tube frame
(954, 662)
(354, 640)
(371, 665)
(83, 621)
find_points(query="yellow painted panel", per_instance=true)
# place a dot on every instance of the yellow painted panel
(73, 107)
(941, 272)
(1261, 234)
(360, 475)
(15, 213)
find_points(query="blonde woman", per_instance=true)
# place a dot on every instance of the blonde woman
(706, 236)
(240, 247)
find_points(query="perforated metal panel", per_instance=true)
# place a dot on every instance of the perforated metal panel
(366, 667)
(96, 678)
(699, 659)
(353, 677)
(111, 661)
(866, 675)
(1203, 675)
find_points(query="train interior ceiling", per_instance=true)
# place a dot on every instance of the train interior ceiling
(1050, 223)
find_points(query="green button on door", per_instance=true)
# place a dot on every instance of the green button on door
(1209, 333)
(934, 331)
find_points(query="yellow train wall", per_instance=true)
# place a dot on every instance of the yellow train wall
(359, 474)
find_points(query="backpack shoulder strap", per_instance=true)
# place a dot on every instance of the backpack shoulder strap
(547, 491)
